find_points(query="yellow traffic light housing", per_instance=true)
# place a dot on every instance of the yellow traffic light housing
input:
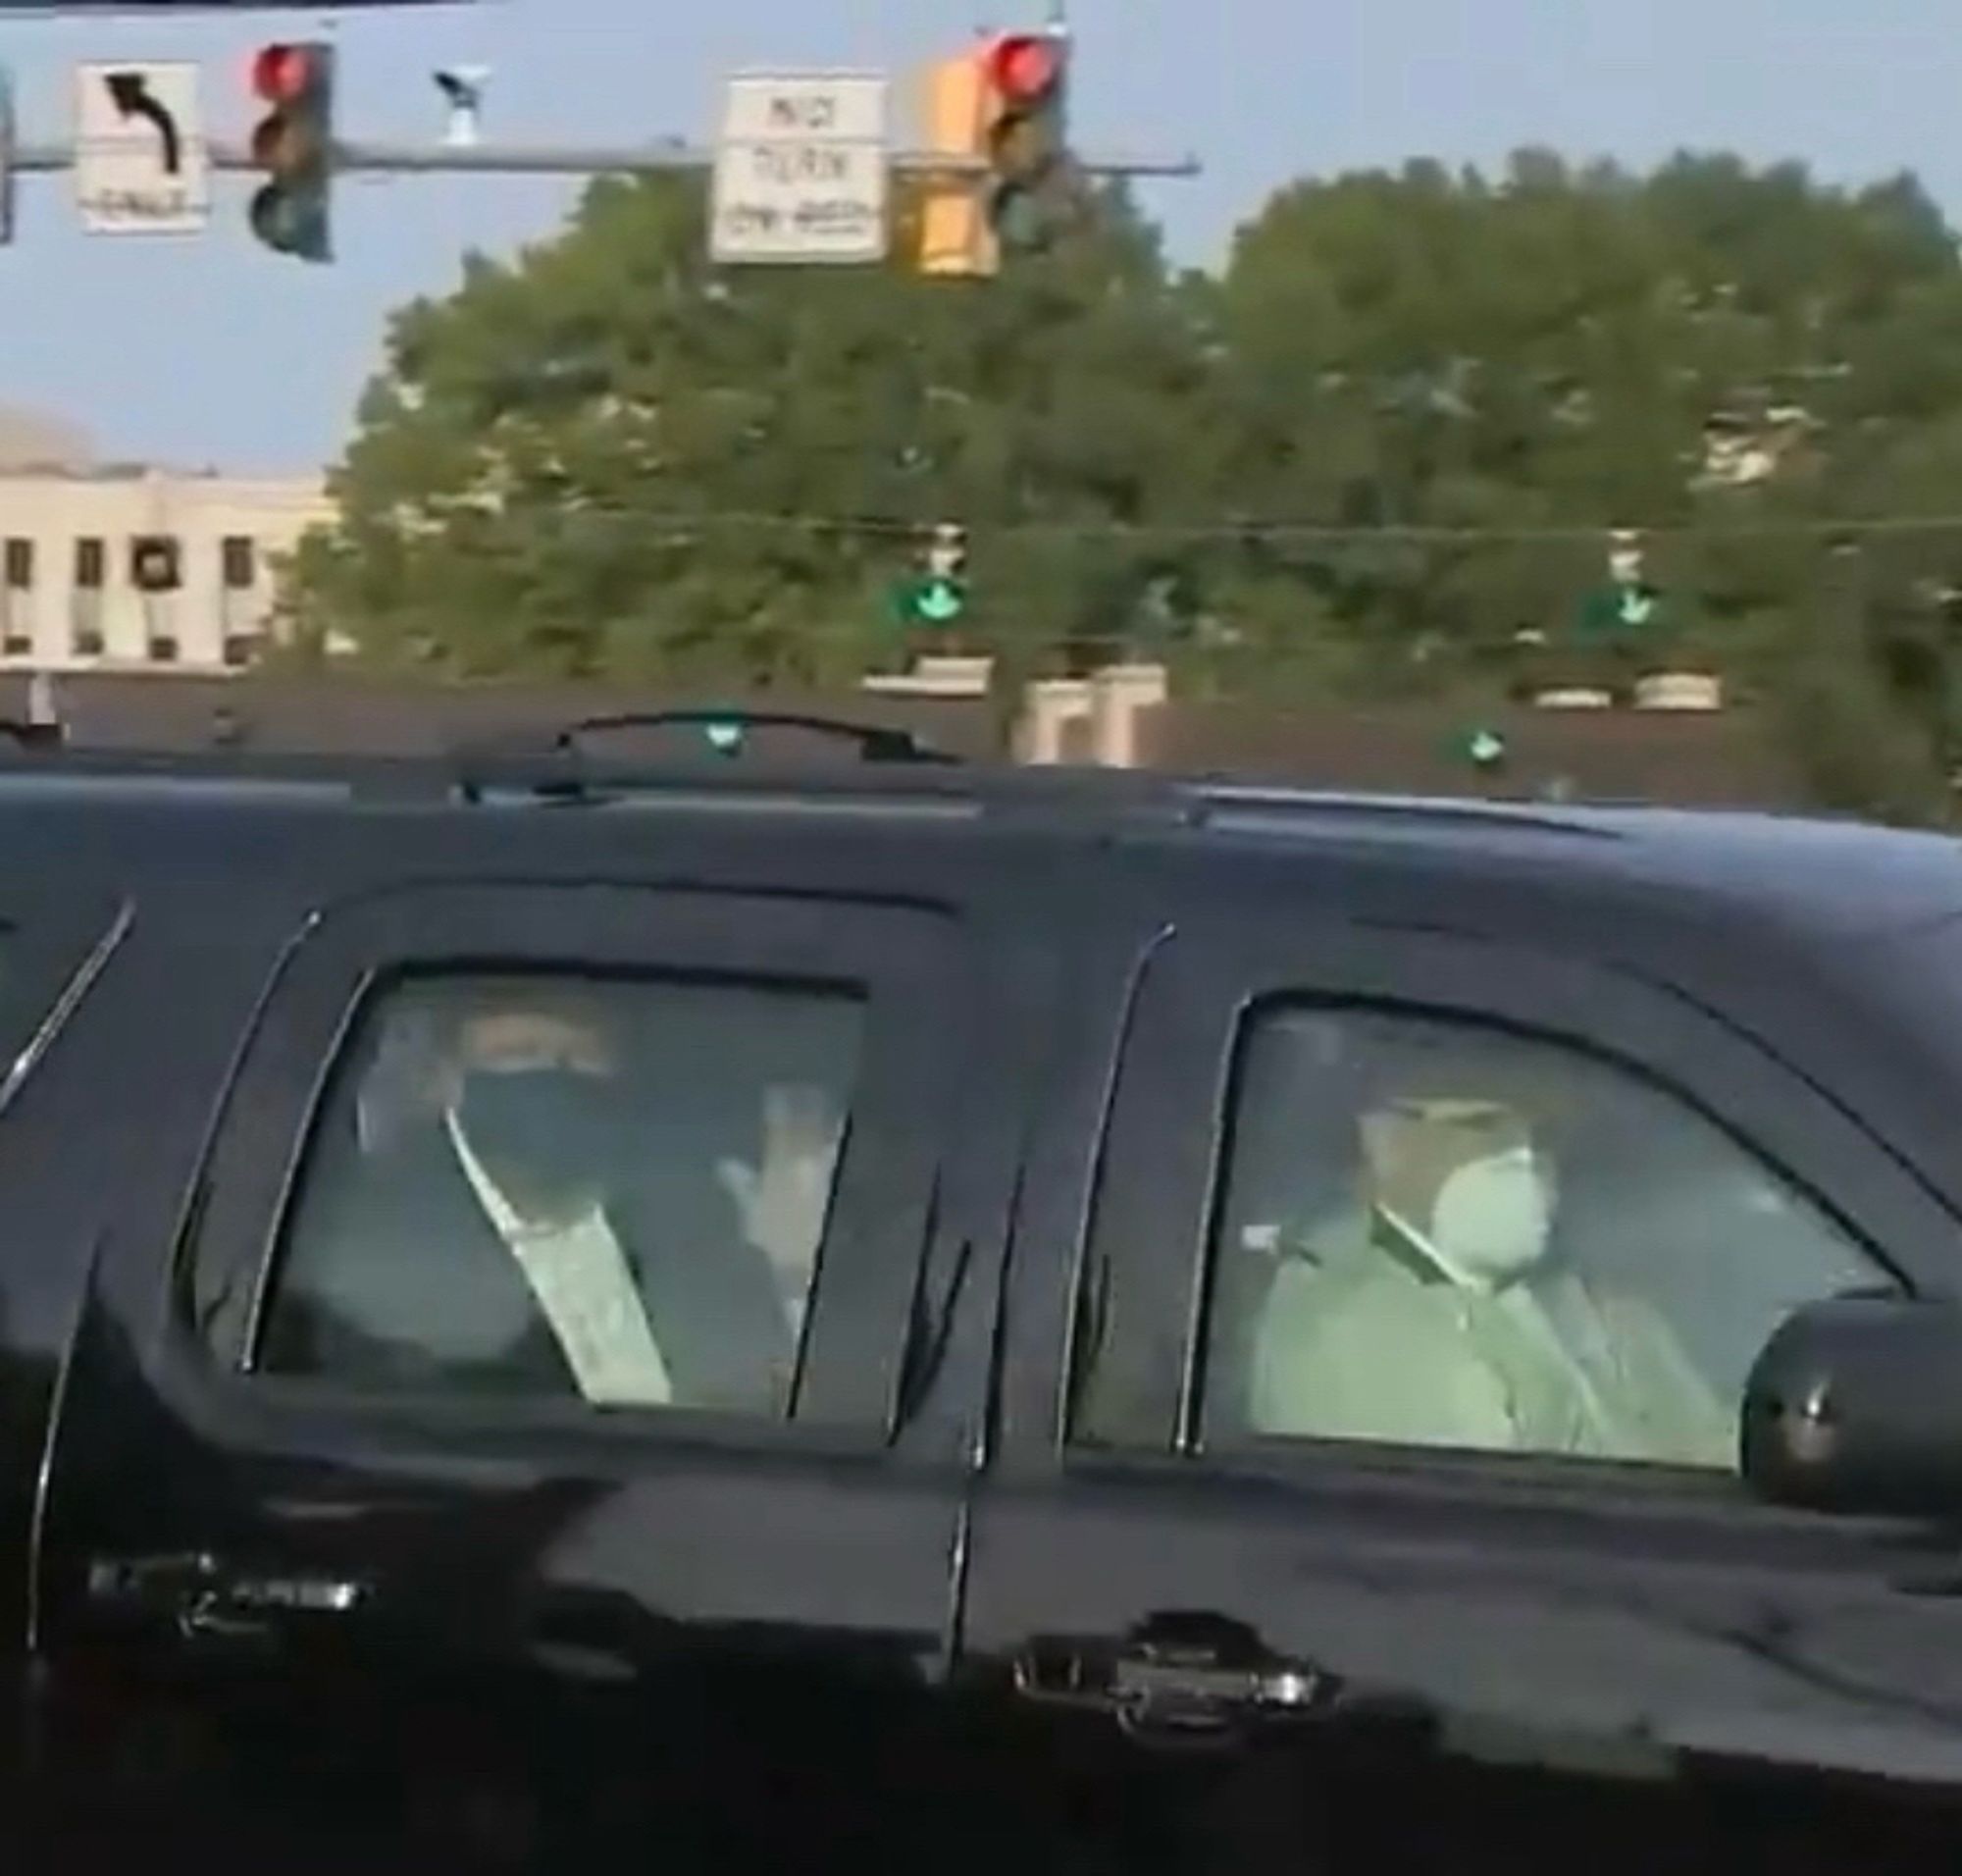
(956, 242)
(1000, 108)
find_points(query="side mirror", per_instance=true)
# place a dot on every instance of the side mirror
(1855, 1406)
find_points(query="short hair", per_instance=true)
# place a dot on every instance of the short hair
(578, 1004)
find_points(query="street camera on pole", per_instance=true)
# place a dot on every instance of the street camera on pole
(462, 88)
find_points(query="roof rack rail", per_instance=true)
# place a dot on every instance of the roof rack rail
(726, 729)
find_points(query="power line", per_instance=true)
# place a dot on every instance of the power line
(1827, 530)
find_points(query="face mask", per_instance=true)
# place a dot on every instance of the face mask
(541, 1133)
(1491, 1218)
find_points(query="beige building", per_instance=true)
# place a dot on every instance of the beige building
(131, 568)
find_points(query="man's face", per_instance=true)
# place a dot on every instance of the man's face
(534, 1095)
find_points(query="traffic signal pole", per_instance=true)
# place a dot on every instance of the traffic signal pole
(571, 159)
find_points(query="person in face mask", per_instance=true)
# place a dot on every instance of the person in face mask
(532, 1118)
(1365, 1333)
(1491, 1218)
(534, 1109)
(535, 1221)
(1588, 1371)
(1426, 1330)
(616, 1211)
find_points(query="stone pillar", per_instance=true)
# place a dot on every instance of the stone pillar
(1117, 694)
(1048, 706)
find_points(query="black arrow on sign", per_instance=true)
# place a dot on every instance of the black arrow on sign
(130, 92)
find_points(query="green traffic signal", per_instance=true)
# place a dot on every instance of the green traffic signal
(1620, 611)
(1485, 749)
(939, 602)
(289, 223)
(934, 599)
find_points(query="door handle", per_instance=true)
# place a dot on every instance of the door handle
(1199, 1694)
(207, 1600)
(1177, 1680)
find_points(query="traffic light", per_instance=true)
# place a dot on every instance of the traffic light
(1002, 106)
(1025, 125)
(955, 239)
(937, 596)
(293, 145)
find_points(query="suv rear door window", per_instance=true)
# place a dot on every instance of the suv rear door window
(614, 1188)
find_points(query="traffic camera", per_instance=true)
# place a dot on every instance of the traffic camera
(462, 88)
(292, 143)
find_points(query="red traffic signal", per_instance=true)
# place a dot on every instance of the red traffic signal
(285, 74)
(1024, 66)
(292, 142)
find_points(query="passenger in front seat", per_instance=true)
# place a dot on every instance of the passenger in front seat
(1372, 1332)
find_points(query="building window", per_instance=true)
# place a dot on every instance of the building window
(85, 621)
(16, 571)
(155, 563)
(240, 649)
(162, 650)
(240, 555)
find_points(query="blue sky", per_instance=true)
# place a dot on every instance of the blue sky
(209, 350)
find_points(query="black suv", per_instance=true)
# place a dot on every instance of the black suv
(816, 1309)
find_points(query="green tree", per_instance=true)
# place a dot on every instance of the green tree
(611, 456)
(1560, 350)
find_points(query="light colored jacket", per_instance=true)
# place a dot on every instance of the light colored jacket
(1356, 1340)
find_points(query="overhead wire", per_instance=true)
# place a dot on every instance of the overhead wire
(1229, 532)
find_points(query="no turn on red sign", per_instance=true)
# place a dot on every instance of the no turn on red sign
(800, 170)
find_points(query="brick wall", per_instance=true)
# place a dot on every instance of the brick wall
(1723, 758)
(370, 718)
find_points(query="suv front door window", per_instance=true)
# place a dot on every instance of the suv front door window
(1442, 1234)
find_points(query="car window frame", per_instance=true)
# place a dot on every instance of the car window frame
(1164, 1149)
(53, 952)
(289, 1062)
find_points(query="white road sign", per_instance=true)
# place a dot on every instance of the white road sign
(141, 162)
(800, 170)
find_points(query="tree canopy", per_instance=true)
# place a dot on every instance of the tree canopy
(1388, 436)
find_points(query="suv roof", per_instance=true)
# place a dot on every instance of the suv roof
(1836, 869)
